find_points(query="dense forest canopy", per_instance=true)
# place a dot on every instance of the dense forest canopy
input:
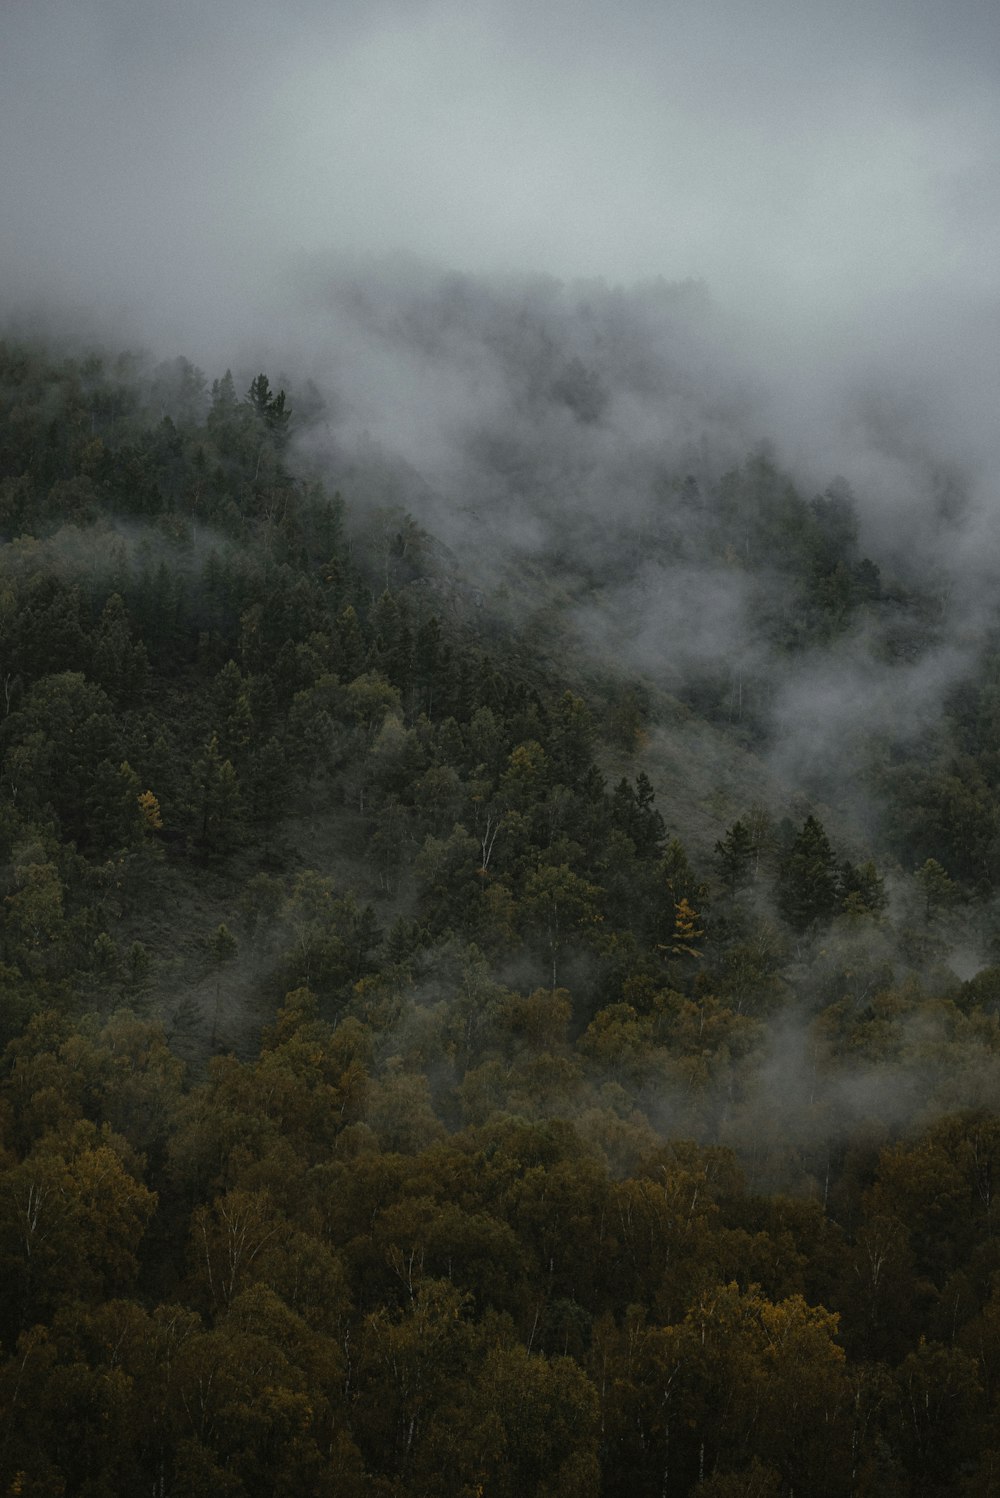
(493, 1010)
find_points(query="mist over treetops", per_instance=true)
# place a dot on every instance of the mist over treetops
(499, 773)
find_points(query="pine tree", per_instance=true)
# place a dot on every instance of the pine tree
(937, 888)
(635, 813)
(215, 800)
(862, 890)
(734, 856)
(807, 882)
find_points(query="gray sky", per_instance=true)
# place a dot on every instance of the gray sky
(811, 161)
(185, 172)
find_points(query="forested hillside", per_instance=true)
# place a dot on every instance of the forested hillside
(457, 1040)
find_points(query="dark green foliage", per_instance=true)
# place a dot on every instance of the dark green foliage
(807, 880)
(419, 1213)
(735, 856)
(635, 814)
(861, 889)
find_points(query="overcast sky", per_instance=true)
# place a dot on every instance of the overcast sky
(831, 173)
(808, 159)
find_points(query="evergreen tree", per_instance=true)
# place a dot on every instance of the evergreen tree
(807, 881)
(734, 856)
(634, 812)
(861, 889)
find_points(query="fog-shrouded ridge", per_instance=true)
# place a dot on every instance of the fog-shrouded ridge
(500, 746)
(573, 441)
(552, 279)
(239, 184)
